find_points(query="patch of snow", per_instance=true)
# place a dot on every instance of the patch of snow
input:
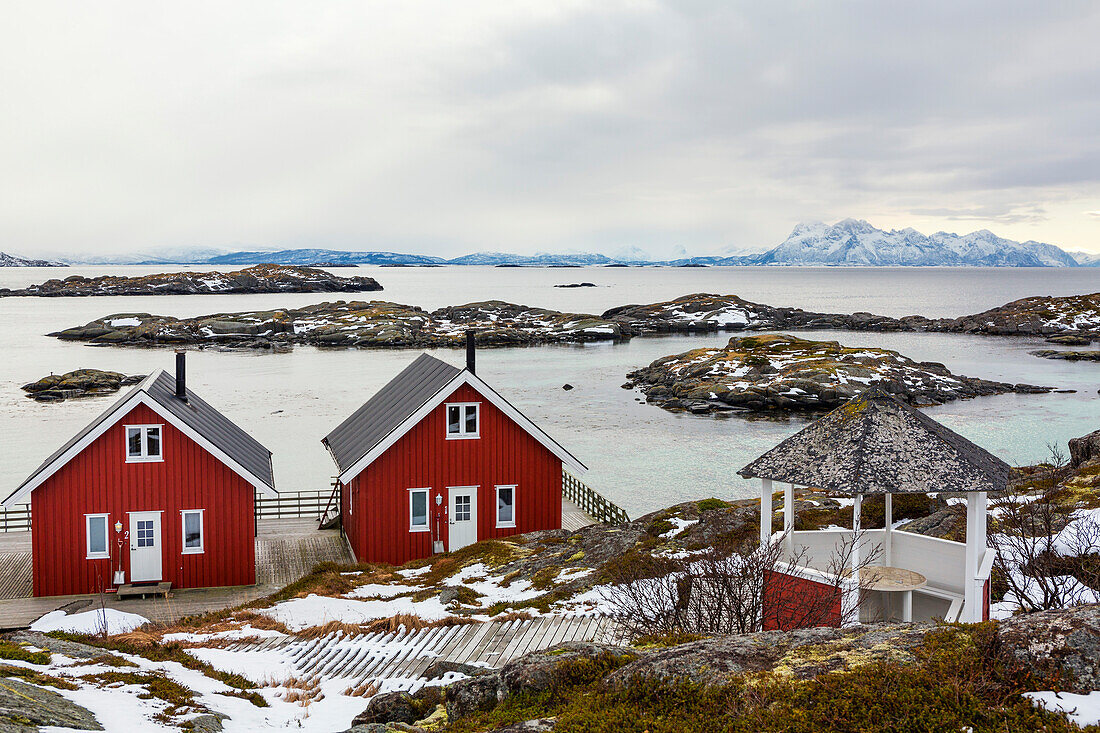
(1080, 709)
(90, 622)
(378, 590)
(679, 524)
(314, 610)
(124, 322)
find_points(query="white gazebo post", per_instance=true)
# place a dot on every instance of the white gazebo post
(788, 518)
(888, 539)
(765, 510)
(856, 525)
(975, 551)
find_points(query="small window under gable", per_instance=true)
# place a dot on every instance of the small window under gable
(143, 443)
(96, 536)
(192, 531)
(418, 510)
(463, 420)
(506, 506)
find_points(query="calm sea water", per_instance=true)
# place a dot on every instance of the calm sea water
(639, 456)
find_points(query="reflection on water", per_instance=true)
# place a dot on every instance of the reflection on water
(640, 456)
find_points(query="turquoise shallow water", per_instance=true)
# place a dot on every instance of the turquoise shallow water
(640, 456)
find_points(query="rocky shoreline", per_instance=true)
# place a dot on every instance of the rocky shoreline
(78, 383)
(395, 325)
(256, 279)
(769, 373)
(356, 323)
(1073, 319)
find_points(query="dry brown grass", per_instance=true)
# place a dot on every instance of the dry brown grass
(400, 622)
(514, 616)
(363, 689)
(301, 690)
(332, 627)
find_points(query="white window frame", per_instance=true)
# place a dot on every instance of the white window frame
(106, 554)
(427, 526)
(144, 457)
(497, 506)
(461, 434)
(184, 549)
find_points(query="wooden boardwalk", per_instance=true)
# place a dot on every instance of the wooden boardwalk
(400, 658)
(573, 517)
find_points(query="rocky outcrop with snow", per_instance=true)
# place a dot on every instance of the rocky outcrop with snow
(772, 372)
(258, 279)
(857, 242)
(1035, 316)
(355, 323)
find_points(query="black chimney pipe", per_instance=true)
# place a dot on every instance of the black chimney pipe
(470, 351)
(181, 375)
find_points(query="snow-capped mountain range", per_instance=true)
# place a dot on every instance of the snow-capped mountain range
(7, 260)
(857, 242)
(847, 243)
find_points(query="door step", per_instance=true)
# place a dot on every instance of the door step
(144, 589)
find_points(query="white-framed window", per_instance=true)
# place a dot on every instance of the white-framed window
(463, 420)
(418, 510)
(506, 506)
(191, 523)
(143, 443)
(95, 536)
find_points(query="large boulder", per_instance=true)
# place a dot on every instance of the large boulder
(1084, 449)
(1064, 644)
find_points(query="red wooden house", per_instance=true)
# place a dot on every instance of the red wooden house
(160, 487)
(437, 460)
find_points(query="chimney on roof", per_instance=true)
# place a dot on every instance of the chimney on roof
(471, 349)
(181, 375)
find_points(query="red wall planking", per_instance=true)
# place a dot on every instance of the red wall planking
(782, 601)
(99, 480)
(378, 527)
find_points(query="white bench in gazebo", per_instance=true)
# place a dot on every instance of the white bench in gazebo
(875, 444)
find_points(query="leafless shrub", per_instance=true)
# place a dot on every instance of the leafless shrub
(731, 590)
(1048, 555)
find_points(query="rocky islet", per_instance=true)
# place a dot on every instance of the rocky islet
(779, 372)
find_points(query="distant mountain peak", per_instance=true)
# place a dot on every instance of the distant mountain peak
(857, 242)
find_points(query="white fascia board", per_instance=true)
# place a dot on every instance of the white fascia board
(139, 397)
(463, 377)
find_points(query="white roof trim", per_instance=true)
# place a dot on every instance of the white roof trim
(463, 377)
(139, 396)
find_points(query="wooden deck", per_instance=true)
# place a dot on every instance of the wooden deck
(573, 517)
(15, 564)
(400, 658)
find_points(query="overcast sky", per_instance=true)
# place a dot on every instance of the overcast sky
(449, 127)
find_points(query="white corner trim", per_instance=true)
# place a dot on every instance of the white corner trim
(137, 397)
(464, 377)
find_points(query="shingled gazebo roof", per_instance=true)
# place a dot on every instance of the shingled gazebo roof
(875, 444)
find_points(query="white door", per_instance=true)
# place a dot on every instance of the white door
(463, 517)
(145, 547)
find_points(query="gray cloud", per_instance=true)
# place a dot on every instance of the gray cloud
(442, 127)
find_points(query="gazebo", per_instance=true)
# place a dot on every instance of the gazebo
(875, 444)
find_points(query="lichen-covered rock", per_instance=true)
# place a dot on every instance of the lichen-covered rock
(535, 672)
(473, 695)
(1064, 642)
(1077, 315)
(1067, 355)
(389, 707)
(256, 279)
(538, 725)
(799, 654)
(773, 372)
(24, 707)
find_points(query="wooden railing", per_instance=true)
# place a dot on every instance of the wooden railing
(590, 501)
(293, 504)
(16, 519)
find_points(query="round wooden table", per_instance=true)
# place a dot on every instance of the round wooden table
(893, 580)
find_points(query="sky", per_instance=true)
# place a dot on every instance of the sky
(451, 127)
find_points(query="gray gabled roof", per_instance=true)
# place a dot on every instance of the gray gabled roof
(215, 427)
(388, 409)
(196, 414)
(875, 444)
